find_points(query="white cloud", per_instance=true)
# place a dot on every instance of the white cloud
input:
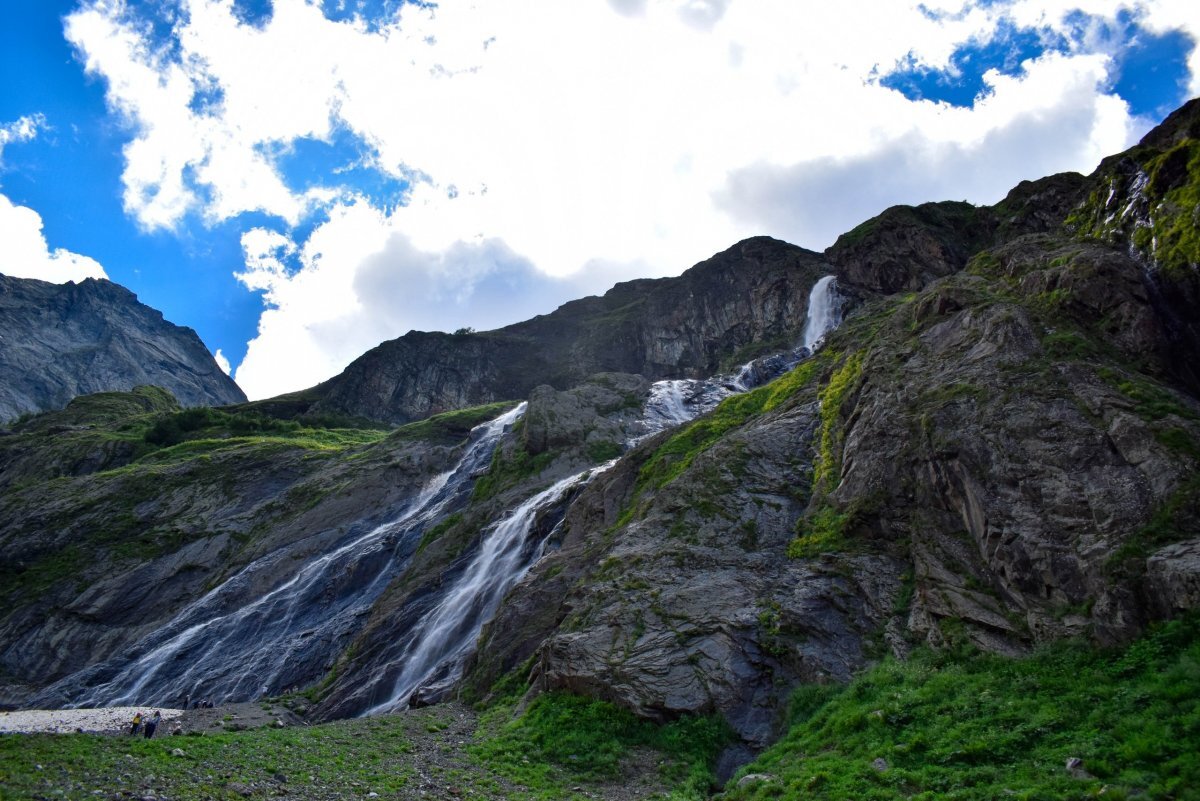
(1056, 123)
(222, 362)
(359, 279)
(25, 253)
(22, 130)
(545, 138)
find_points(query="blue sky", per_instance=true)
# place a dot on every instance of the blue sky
(300, 179)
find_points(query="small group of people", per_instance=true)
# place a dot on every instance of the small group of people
(199, 703)
(146, 725)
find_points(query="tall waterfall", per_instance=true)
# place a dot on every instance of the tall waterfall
(824, 312)
(232, 645)
(435, 648)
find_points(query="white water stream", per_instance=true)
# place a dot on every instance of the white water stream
(676, 401)
(231, 645)
(240, 642)
(436, 647)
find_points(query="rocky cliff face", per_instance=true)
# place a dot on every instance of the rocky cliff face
(1000, 447)
(738, 304)
(65, 340)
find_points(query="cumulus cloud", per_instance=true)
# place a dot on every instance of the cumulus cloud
(359, 279)
(529, 142)
(27, 255)
(1058, 124)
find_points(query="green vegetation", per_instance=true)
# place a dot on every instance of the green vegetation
(434, 532)
(349, 759)
(1069, 345)
(822, 532)
(1175, 187)
(450, 428)
(562, 739)
(603, 450)
(561, 747)
(675, 455)
(963, 725)
(509, 468)
(1154, 402)
(1175, 520)
(1172, 195)
(205, 423)
(833, 397)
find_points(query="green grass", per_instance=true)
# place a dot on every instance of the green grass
(562, 739)
(450, 428)
(434, 532)
(1177, 519)
(350, 759)
(833, 398)
(509, 469)
(676, 455)
(1175, 185)
(822, 532)
(1154, 402)
(960, 725)
(1173, 195)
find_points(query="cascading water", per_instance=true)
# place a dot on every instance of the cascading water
(824, 312)
(679, 400)
(434, 650)
(224, 647)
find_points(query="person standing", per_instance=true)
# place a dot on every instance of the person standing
(152, 724)
(135, 725)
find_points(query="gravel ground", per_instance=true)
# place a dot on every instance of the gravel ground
(110, 720)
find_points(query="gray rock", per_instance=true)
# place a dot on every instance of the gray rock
(1076, 769)
(65, 340)
(728, 306)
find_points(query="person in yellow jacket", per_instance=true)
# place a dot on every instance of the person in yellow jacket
(137, 724)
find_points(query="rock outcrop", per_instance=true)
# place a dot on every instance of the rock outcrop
(65, 340)
(741, 303)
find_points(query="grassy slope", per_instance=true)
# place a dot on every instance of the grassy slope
(970, 726)
(950, 725)
(166, 449)
(562, 747)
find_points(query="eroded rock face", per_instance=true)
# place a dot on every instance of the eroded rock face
(745, 301)
(995, 481)
(66, 340)
(96, 559)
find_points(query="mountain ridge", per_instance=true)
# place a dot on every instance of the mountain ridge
(66, 340)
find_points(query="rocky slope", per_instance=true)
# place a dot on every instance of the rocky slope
(121, 510)
(741, 303)
(65, 340)
(1000, 446)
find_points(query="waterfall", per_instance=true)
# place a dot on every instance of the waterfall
(680, 400)
(273, 625)
(435, 648)
(225, 648)
(824, 312)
